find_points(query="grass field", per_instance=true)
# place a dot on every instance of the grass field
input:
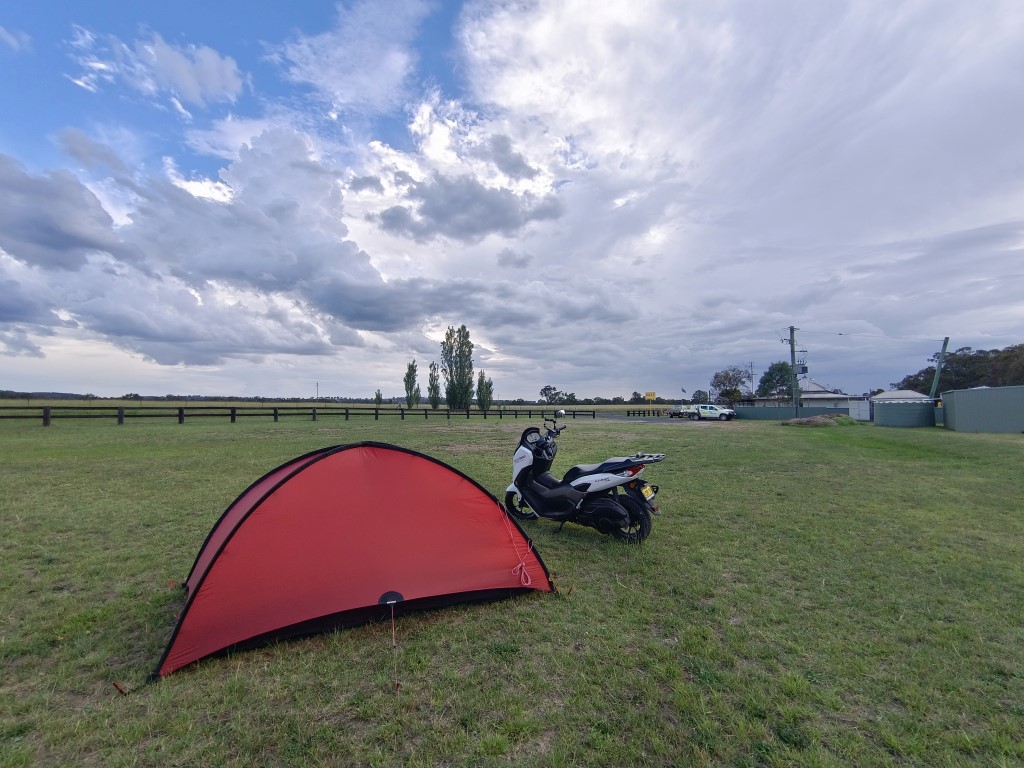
(822, 597)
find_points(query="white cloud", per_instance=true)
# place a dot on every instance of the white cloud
(365, 63)
(207, 189)
(16, 40)
(226, 136)
(183, 113)
(196, 75)
(764, 108)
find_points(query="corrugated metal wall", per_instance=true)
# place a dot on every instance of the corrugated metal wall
(905, 414)
(997, 409)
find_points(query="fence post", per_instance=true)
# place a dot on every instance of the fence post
(314, 414)
(467, 413)
(181, 415)
(401, 412)
(346, 413)
(376, 414)
(448, 413)
(46, 415)
(425, 412)
(120, 414)
(276, 415)
(234, 415)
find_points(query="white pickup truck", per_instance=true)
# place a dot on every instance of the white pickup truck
(696, 412)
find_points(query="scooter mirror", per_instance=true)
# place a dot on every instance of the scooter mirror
(559, 414)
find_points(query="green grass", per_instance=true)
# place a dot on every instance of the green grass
(819, 597)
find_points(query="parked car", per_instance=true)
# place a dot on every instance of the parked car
(702, 411)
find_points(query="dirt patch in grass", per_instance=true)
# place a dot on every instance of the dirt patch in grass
(828, 420)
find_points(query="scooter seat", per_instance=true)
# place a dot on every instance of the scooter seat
(548, 481)
(557, 498)
(613, 464)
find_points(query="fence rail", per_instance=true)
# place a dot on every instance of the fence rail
(47, 413)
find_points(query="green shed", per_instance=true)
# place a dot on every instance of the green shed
(984, 409)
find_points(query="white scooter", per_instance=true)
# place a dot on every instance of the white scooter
(610, 496)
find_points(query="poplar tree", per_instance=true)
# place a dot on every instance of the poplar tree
(457, 367)
(484, 392)
(434, 386)
(412, 387)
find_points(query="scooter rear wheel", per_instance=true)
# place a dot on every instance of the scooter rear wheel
(639, 527)
(518, 508)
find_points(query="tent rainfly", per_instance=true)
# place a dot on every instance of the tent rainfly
(342, 536)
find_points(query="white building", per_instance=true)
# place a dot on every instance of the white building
(812, 394)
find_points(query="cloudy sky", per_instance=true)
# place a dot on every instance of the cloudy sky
(210, 198)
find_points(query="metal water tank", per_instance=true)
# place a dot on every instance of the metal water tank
(905, 414)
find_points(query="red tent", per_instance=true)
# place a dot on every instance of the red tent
(342, 536)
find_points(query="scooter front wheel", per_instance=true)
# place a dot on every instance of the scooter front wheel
(518, 508)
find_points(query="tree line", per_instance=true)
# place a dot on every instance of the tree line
(966, 368)
(963, 369)
(460, 387)
(457, 371)
(735, 383)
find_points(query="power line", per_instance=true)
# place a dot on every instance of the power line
(866, 335)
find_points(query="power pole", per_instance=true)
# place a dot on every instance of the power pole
(792, 364)
(938, 368)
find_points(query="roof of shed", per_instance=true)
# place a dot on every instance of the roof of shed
(900, 395)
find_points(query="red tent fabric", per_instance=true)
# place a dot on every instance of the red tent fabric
(334, 537)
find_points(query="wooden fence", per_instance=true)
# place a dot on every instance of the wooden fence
(47, 413)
